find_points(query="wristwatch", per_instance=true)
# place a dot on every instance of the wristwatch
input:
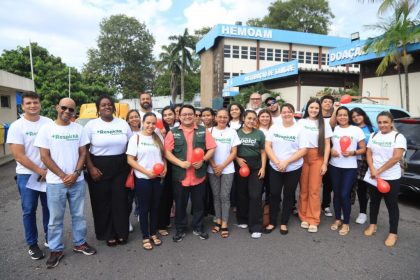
(78, 171)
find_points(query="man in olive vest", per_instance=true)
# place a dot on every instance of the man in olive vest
(188, 177)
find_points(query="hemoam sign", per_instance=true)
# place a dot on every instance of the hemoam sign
(245, 31)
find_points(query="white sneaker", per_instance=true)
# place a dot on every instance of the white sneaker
(242, 226)
(130, 227)
(327, 212)
(256, 235)
(361, 219)
(46, 244)
(342, 217)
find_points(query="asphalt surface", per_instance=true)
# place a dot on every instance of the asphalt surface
(298, 255)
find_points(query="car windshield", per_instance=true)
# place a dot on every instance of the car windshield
(411, 132)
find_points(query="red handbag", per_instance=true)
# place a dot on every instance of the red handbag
(129, 182)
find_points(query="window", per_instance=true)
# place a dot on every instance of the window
(226, 76)
(315, 58)
(5, 101)
(301, 57)
(324, 59)
(235, 51)
(262, 53)
(244, 52)
(235, 75)
(252, 53)
(270, 54)
(294, 53)
(285, 55)
(277, 55)
(308, 58)
(226, 51)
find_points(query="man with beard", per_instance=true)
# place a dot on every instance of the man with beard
(146, 105)
(274, 109)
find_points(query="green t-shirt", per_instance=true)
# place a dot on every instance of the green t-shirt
(251, 143)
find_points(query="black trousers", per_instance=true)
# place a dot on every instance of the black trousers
(166, 201)
(391, 202)
(181, 195)
(109, 198)
(249, 204)
(286, 182)
(326, 190)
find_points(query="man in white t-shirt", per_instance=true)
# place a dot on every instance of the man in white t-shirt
(21, 137)
(146, 105)
(274, 108)
(62, 146)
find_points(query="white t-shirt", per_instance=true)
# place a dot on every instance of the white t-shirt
(158, 115)
(63, 141)
(285, 141)
(235, 125)
(356, 135)
(23, 132)
(311, 131)
(225, 140)
(279, 120)
(264, 130)
(382, 147)
(147, 152)
(108, 138)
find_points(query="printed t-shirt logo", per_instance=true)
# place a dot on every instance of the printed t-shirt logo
(223, 140)
(338, 137)
(67, 137)
(31, 133)
(383, 144)
(248, 141)
(110, 131)
(147, 144)
(289, 138)
(311, 128)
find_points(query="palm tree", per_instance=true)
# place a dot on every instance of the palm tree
(169, 60)
(184, 45)
(398, 33)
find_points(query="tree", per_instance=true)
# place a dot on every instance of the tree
(313, 16)
(124, 55)
(244, 94)
(398, 32)
(170, 64)
(184, 45)
(51, 77)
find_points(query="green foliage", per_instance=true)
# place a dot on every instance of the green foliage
(123, 55)
(337, 93)
(51, 77)
(244, 94)
(313, 16)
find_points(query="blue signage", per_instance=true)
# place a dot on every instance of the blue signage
(273, 72)
(355, 53)
(267, 34)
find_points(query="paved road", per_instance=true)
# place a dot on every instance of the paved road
(299, 255)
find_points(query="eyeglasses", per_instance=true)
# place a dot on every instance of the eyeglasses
(198, 115)
(64, 108)
(187, 115)
(255, 99)
(269, 103)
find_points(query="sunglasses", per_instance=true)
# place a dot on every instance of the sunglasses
(269, 103)
(64, 108)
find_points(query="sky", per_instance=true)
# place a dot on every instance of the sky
(68, 28)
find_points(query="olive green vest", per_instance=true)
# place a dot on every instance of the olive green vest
(180, 151)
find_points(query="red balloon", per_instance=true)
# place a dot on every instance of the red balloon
(198, 155)
(345, 142)
(159, 124)
(345, 99)
(158, 168)
(244, 170)
(382, 185)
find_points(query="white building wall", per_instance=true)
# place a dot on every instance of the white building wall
(289, 94)
(388, 87)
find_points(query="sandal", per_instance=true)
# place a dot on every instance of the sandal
(156, 241)
(216, 228)
(336, 225)
(163, 232)
(344, 230)
(147, 245)
(121, 241)
(224, 232)
(111, 243)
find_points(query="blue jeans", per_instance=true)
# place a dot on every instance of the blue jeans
(342, 180)
(29, 201)
(58, 195)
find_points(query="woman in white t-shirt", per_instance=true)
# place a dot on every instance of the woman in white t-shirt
(222, 171)
(343, 166)
(107, 171)
(143, 152)
(236, 113)
(318, 132)
(264, 121)
(285, 146)
(385, 150)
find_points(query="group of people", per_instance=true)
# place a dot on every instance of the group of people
(247, 154)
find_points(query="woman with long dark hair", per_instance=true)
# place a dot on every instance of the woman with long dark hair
(147, 147)
(360, 118)
(385, 150)
(108, 169)
(343, 166)
(236, 113)
(318, 132)
(251, 152)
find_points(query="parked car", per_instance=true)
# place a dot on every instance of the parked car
(410, 128)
